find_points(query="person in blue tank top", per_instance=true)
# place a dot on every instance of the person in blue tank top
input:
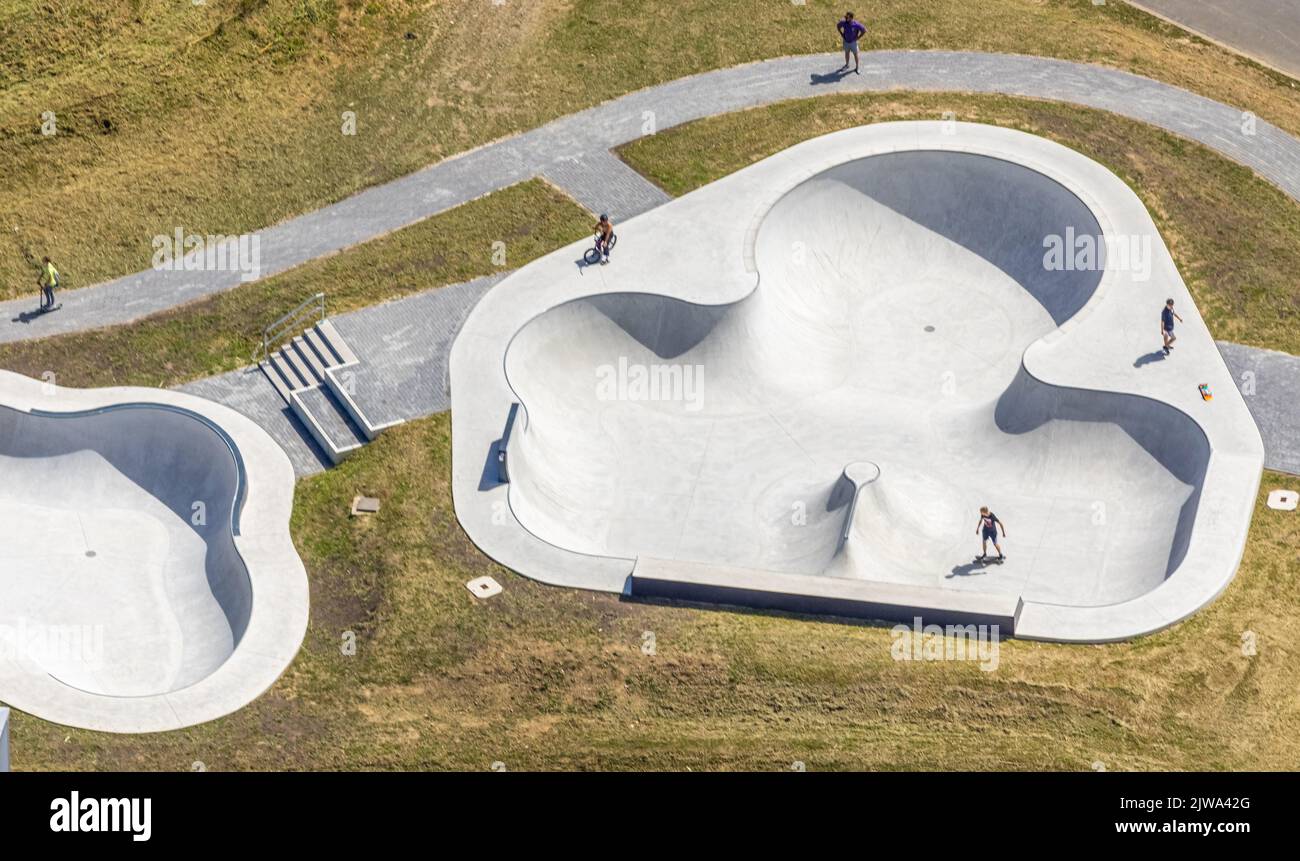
(1167, 317)
(987, 528)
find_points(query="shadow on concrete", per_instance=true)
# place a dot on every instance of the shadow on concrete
(970, 569)
(826, 618)
(1157, 356)
(496, 470)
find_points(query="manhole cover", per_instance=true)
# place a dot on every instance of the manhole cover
(90, 552)
(484, 587)
(1283, 500)
(929, 328)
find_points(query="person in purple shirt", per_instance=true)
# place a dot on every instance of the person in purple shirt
(850, 31)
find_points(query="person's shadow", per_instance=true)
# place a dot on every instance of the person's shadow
(1157, 356)
(27, 316)
(832, 78)
(968, 570)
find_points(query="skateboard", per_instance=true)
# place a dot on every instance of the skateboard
(989, 560)
(48, 310)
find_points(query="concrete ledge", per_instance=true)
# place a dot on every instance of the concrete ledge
(4, 739)
(340, 391)
(796, 593)
(336, 449)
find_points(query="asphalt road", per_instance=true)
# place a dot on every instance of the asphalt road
(1267, 30)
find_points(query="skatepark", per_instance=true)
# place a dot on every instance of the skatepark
(763, 431)
(856, 344)
(148, 578)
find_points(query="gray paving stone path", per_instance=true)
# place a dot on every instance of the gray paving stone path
(573, 151)
(407, 341)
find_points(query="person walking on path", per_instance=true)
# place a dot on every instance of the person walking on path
(47, 281)
(987, 528)
(1167, 317)
(850, 31)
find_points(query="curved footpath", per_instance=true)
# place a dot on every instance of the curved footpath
(573, 152)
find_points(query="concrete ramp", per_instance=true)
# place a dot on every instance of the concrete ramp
(972, 315)
(147, 577)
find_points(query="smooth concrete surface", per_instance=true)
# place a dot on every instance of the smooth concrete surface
(147, 578)
(878, 295)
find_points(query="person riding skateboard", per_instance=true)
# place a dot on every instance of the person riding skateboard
(988, 529)
(604, 235)
(1167, 317)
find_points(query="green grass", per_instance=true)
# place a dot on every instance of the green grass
(1234, 236)
(551, 678)
(225, 117)
(219, 333)
(548, 678)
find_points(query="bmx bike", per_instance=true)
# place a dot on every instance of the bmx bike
(593, 254)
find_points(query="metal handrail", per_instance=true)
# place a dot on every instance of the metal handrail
(274, 332)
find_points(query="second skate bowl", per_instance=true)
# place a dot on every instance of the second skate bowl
(147, 578)
(844, 421)
(102, 509)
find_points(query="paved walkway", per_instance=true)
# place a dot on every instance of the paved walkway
(403, 345)
(571, 150)
(1270, 383)
(408, 340)
(1265, 30)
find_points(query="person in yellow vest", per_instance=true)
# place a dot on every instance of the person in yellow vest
(47, 281)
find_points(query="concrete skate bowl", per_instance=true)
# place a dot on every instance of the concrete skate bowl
(895, 299)
(102, 507)
(126, 601)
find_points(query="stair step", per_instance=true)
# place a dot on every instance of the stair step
(322, 349)
(336, 342)
(342, 384)
(327, 422)
(300, 365)
(280, 384)
(280, 362)
(309, 356)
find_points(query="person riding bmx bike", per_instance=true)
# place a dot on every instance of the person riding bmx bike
(604, 237)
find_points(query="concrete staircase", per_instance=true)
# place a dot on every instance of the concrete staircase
(312, 373)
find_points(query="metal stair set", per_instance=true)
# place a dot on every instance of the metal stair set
(311, 373)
